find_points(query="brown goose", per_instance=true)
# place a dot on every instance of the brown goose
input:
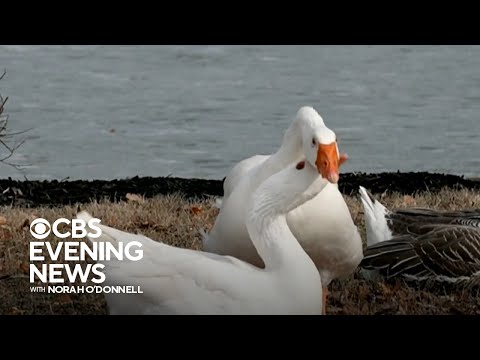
(422, 244)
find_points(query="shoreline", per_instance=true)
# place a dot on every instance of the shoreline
(51, 193)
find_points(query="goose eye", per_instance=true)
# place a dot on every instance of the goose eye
(314, 142)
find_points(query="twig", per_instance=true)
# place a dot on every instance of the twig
(8, 277)
(2, 103)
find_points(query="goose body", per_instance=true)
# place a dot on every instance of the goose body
(323, 226)
(421, 244)
(182, 281)
(382, 224)
(239, 170)
(441, 253)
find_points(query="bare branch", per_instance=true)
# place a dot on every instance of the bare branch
(4, 135)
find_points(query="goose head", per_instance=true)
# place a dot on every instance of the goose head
(320, 144)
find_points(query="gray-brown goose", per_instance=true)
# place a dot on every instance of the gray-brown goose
(422, 244)
(446, 253)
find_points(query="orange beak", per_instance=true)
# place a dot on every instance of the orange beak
(328, 162)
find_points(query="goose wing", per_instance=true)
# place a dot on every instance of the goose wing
(448, 252)
(425, 212)
(416, 221)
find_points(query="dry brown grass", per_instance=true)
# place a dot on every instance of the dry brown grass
(176, 221)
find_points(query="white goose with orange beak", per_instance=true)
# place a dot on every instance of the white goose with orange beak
(323, 226)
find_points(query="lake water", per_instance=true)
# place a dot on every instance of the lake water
(104, 112)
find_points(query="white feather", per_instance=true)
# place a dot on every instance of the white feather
(375, 219)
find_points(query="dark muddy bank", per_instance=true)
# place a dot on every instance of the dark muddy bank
(56, 193)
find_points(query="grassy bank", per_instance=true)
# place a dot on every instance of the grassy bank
(176, 221)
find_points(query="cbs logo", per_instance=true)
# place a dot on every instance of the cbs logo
(41, 228)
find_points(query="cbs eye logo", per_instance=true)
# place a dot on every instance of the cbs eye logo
(40, 228)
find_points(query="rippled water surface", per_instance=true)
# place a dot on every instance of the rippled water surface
(103, 112)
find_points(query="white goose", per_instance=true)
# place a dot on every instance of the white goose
(182, 281)
(297, 143)
(323, 226)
